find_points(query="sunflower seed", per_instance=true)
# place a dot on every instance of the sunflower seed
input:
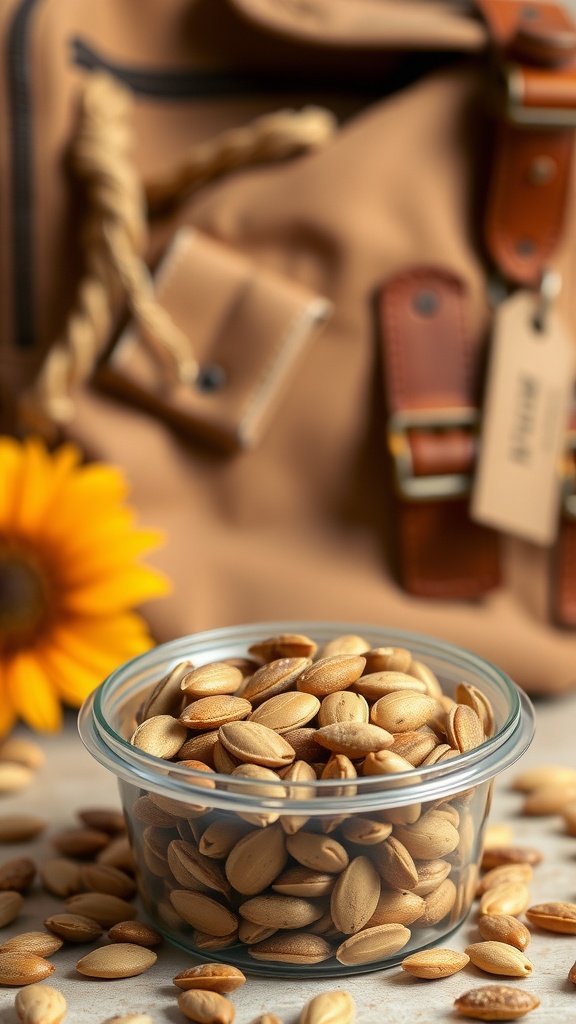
(373, 944)
(40, 1004)
(18, 968)
(499, 958)
(212, 977)
(329, 1008)
(496, 1002)
(119, 960)
(434, 963)
(206, 1007)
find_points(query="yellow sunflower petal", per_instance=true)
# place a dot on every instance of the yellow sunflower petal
(104, 560)
(71, 680)
(113, 629)
(72, 539)
(68, 523)
(101, 656)
(119, 591)
(10, 462)
(7, 712)
(32, 694)
(35, 485)
(44, 477)
(93, 493)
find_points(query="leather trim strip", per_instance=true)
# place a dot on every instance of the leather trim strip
(431, 362)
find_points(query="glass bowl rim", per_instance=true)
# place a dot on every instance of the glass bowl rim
(240, 793)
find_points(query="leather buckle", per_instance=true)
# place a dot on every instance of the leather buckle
(526, 116)
(425, 488)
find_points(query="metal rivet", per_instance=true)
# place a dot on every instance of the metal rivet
(210, 378)
(425, 302)
(525, 247)
(542, 170)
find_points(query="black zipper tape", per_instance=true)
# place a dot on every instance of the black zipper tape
(164, 84)
(20, 113)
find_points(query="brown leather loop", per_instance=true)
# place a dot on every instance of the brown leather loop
(553, 47)
(432, 454)
(511, 20)
(526, 209)
(430, 365)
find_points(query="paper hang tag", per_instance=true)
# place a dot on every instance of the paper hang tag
(529, 389)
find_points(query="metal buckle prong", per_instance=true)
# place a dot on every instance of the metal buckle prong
(534, 117)
(421, 488)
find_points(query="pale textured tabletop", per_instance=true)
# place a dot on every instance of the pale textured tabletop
(71, 780)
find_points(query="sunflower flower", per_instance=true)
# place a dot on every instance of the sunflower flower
(69, 580)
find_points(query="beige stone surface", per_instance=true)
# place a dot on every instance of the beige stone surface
(71, 780)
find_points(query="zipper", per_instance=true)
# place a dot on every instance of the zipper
(21, 173)
(167, 84)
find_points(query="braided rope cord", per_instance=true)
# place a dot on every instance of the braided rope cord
(115, 234)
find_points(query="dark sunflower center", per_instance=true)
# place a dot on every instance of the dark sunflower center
(24, 598)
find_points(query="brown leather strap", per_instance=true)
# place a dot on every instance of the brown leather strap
(430, 364)
(563, 591)
(527, 207)
(529, 193)
(509, 19)
(527, 204)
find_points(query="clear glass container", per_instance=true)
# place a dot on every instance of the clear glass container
(191, 870)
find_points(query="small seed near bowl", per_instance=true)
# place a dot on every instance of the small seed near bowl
(337, 1007)
(20, 828)
(44, 944)
(14, 777)
(509, 898)
(61, 876)
(434, 963)
(107, 910)
(495, 855)
(80, 842)
(504, 928)
(543, 775)
(11, 903)
(499, 958)
(40, 1004)
(103, 819)
(498, 833)
(496, 1002)
(17, 968)
(74, 927)
(106, 879)
(206, 1007)
(222, 978)
(292, 948)
(372, 944)
(18, 874)
(503, 874)
(21, 750)
(549, 799)
(554, 917)
(119, 960)
(136, 932)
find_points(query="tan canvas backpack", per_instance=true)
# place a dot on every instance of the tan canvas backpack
(342, 202)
